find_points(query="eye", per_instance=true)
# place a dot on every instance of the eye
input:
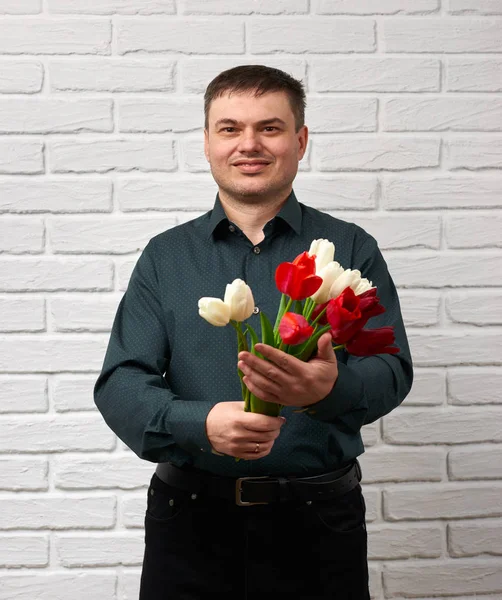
(228, 129)
(270, 128)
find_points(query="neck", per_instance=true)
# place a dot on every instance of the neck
(251, 217)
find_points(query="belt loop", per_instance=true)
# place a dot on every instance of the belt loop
(284, 489)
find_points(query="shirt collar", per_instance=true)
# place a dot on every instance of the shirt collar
(290, 213)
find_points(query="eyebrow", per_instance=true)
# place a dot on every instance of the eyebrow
(263, 123)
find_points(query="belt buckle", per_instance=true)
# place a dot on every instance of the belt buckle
(238, 491)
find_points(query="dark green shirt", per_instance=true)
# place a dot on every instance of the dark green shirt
(166, 367)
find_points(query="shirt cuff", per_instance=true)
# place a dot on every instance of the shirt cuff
(346, 395)
(187, 422)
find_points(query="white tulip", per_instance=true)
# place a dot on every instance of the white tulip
(239, 298)
(328, 273)
(349, 278)
(364, 286)
(215, 311)
(324, 251)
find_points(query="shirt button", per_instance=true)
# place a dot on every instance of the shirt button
(256, 310)
(231, 228)
(256, 250)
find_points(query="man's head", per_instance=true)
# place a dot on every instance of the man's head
(257, 80)
(254, 133)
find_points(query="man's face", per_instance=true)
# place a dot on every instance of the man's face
(252, 146)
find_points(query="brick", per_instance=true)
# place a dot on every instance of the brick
(472, 153)
(335, 192)
(37, 115)
(452, 35)
(330, 115)
(451, 347)
(479, 7)
(19, 156)
(22, 314)
(21, 77)
(193, 154)
(53, 511)
(442, 578)
(172, 192)
(394, 542)
(375, 581)
(243, 7)
(52, 585)
(104, 550)
(375, 74)
(55, 195)
(370, 434)
(85, 314)
(313, 35)
(126, 472)
(197, 72)
(475, 463)
(475, 538)
(483, 230)
(55, 274)
(464, 307)
(34, 353)
(396, 231)
(467, 74)
(468, 385)
(372, 499)
(41, 35)
(373, 154)
(382, 463)
(158, 115)
(420, 310)
(129, 583)
(170, 35)
(21, 7)
(133, 511)
(454, 113)
(439, 269)
(113, 235)
(125, 270)
(154, 154)
(24, 474)
(445, 501)
(22, 236)
(24, 551)
(376, 7)
(442, 426)
(110, 7)
(73, 392)
(79, 433)
(428, 192)
(429, 388)
(112, 75)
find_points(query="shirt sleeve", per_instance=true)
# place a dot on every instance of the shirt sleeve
(368, 388)
(132, 393)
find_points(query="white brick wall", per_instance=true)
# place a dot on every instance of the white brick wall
(101, 148)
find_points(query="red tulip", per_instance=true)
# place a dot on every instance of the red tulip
(298, 279)
(319, 308)
(343, 326)
(294, 329)
(368, 342)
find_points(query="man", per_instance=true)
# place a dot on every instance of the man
(289, 520)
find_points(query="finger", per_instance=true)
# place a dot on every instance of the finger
(325, 348)
(259, 392)
(265, 375)
(261, 423)
(284, 361)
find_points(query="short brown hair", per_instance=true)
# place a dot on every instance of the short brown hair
(260, 80)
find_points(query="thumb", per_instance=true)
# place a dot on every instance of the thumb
(324, 347)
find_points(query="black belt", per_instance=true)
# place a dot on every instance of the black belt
(246, 491)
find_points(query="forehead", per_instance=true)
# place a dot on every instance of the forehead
(248, 108)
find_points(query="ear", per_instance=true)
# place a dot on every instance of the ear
(206, 144)
(302, 136)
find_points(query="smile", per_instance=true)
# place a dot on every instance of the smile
(251, 167)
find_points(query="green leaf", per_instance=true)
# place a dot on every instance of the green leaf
(310, 346)
(267, 333)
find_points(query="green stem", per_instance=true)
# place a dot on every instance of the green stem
(335, 348)
(314, 322)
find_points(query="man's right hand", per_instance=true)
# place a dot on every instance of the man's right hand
(247, 435)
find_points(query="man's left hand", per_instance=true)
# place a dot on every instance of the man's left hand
(286, 380)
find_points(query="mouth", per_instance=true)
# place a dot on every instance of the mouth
(251, 166)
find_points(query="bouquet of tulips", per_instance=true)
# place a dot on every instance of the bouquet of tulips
(318, 295)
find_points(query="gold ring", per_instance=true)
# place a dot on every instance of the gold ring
(257, 448)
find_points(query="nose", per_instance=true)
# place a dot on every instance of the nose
(249, 141)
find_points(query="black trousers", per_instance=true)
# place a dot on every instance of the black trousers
(204, 548)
